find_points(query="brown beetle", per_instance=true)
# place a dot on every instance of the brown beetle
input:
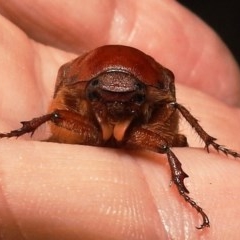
(117, 96)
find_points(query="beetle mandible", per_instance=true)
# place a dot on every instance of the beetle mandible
(117, 96)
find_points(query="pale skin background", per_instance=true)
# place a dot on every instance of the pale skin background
(53, 191)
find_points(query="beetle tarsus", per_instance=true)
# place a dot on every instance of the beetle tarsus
(223, 149)
(205, 223)
(27, 127)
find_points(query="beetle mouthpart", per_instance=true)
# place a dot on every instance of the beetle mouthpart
(117, 130)
(120, 129)
(107, 131)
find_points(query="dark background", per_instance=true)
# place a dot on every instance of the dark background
(223, 16)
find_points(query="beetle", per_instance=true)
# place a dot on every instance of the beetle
(117, 96)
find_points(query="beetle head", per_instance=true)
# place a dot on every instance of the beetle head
(120, 92)
(118, 97)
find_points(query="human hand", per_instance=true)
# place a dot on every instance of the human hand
(56, 191)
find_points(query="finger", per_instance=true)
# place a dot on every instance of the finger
(28, 73)
(175, 37)
(52, 194)
(145, 180)
(212, 184)
(77, 192)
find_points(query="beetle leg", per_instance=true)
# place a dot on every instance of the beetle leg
(180, 140)
(208, 140)
(178, 176)
(81, 130)
(143, 138)
(28, 126)
(87, 132)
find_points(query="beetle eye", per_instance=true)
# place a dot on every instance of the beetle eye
(92, 90)
(94, 82)
(93, 96)
(139, 98)
(161, 85)
(139, 86)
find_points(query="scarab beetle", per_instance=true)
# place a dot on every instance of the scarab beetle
(117, 96)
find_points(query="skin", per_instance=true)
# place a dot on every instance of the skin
(57, 191)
